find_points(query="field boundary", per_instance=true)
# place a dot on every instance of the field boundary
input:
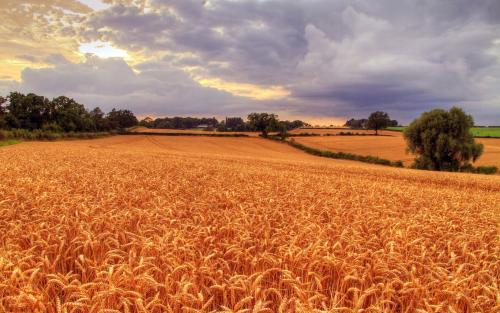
(182, 134)
(42, 135)
(9, 142)
(339, 155)
(332, 135)
(475, 130)
(485, 170)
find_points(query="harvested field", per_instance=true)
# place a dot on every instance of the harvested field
(197, 224)
(391, 147)
(188, 131)
(334, 131)
(491, 153)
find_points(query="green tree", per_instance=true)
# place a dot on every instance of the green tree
(378, 120)
(393, 123)
(356, 124)
(99, 121)
(263, 122)
(147, 122)
(122, 119)
(291, 125)
(27, 111)
(235, 124)
(70, 115)
(442, 140)
(2, 112)
(283, 127)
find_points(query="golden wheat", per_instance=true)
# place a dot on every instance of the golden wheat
(167, 225)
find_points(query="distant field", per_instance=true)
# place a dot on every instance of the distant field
(187, 131)
(201, 224)
(476, 131)
(385, 147)
(333, 131)
(391, 147)
(486, 132)
(396, 128)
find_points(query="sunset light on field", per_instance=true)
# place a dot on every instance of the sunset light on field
(249, 156)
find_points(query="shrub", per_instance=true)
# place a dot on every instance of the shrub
(303, 135)
(488, 170)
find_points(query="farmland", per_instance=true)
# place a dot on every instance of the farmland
(189, 224)
(141, 129)
(493, 132)
(391, 146)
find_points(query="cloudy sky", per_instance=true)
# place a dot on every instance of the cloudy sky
(319, 60)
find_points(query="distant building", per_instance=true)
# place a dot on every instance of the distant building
(203, 126)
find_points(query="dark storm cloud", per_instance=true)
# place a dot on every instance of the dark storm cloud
(337, 58)
(251, 36)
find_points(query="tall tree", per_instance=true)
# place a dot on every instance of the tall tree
(71, 115)
(356, 124)
(99, 120)
(442, 140)
(263, 122)
(147, 122)
(27, 111)
(122, 118)
(378, 120)
(235, 124)
(2, 111)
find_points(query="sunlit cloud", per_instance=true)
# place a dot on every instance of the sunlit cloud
(103, 50)
(95, 4)
(246, 90)
(11, 68)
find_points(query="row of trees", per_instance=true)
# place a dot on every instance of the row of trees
(376, 121)
(178, 122)
(262, 122)
(61, 114)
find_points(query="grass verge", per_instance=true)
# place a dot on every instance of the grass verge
(477, 132)
(9, 142)
(182, 134)
(37, 134)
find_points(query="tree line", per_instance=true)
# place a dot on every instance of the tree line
(376, 121)
(440, 139)
(61, 114)
(261, 122)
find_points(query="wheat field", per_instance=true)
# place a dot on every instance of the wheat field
(192, 224)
